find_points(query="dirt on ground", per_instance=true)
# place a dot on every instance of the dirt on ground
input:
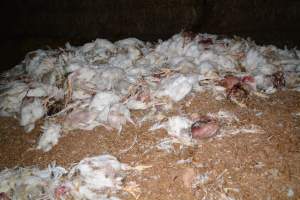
(263, 165)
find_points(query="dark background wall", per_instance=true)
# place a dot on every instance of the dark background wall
(32, 24)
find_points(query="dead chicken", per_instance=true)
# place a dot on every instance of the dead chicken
(204, 127)
(238, 88)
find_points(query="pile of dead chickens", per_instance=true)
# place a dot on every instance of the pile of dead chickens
(98, 177)
(99, 83)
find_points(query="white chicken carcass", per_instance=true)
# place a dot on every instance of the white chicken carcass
(49, 138)
(102, 102)
(94, 177)
(178, 127)
(31, 111)
(11, 98)
(118, 116)
(81, 119)
(176, 87)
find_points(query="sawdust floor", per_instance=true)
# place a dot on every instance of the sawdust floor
(243, 166)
